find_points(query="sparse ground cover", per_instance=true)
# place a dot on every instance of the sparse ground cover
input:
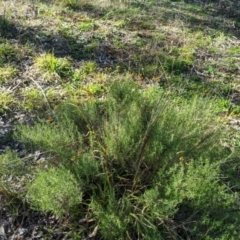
(132, 106)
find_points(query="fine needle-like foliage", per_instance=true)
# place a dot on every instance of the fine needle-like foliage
(54, 190)
(149, 166)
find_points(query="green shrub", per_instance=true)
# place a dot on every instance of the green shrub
(111, 214)
(150, 164)
(54, 190)
(11, 164)
(12, 167)
(190, 191)
(61, 138)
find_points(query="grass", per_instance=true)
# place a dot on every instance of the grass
(6, 101)
(8, 53)
(135, 102)
(86, 26)
(7, 73)
(52, 65)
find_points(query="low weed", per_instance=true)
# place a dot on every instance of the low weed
(93, 89)
(33, 99)
(36, 98)
(6, 101)
(11, 164)
(88, 68)
(8, 54)
(53, 65)
(86, 26)
(7, 74)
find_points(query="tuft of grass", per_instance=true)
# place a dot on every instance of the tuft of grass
(33, 99)
(234, 51)
(7, 73)
(88, 67)
(8, 54)
(53, 65)
(11, 164)
(94, 89)
(6, 101)
(86, 26)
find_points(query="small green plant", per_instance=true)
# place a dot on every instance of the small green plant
(54, 190)
(94, 89)
(223, 105)
(32, 99)
(186, 53)
(36, 99)
(7, 73)
(54, 65)
(56, 138)
(11, 166)
(53, 95)
(6, 101)
(77, 77)
(211, 70)
(173, 64)
(88, 67)
(234, 51)
(86, 26)
(8, 54)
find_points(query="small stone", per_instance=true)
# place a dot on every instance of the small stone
(22, 231)
(37, 155)
(2, 231)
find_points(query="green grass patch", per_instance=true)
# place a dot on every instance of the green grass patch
(53, 65)
(86, 26)
(6, 101)
(7, 74)
(8, 54)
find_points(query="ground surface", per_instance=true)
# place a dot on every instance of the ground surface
(49, 53)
